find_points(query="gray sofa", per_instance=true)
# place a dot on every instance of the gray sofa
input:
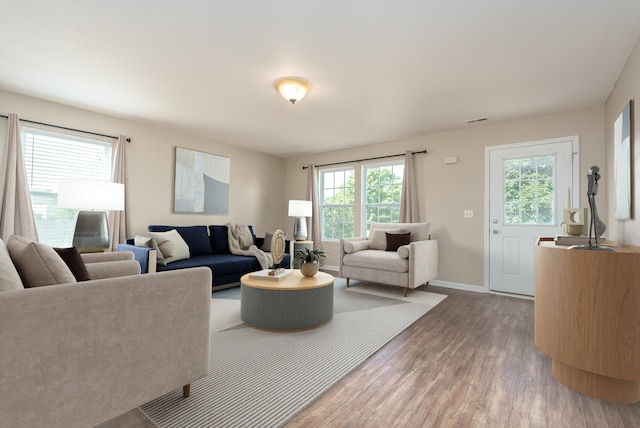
(75, 354)
(400, 254)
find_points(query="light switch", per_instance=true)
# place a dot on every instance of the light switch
(468, 213)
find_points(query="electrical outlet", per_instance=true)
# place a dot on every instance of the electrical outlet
(468, 213)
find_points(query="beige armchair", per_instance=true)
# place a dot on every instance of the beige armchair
(400, 254)
(76, 354)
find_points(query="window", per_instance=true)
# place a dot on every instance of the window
(528, 190)
(382, 193)
(337, 195)
(49, 156)
(381, 188)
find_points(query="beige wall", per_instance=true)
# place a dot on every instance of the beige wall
(261, 184)
(445, 191)
(257, 180)
(627, 88)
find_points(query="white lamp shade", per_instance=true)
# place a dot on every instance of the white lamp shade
(299, 208)
(90, 195)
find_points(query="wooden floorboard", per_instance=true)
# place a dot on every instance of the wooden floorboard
(469, 362)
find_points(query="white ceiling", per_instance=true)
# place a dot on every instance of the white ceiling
(380, 69)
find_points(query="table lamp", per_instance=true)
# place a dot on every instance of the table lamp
(300, 210)
(91, 234)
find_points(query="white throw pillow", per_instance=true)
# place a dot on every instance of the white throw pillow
(419, 231)
(38, 264)
(10, 278)
(149, 242)
(379, 238)
(266, 245)
(171, 245)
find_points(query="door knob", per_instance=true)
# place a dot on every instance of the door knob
(495, 231)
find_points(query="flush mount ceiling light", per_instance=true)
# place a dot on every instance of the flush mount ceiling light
(292, 89)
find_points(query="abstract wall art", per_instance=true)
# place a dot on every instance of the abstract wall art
(201, 182)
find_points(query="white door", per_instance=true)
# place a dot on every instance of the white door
(527, 192)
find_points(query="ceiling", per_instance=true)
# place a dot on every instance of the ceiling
(380, 69)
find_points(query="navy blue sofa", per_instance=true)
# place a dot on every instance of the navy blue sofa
(208, 246)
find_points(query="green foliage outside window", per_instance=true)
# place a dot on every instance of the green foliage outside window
(383, 193)
(338, 200)
(529, 190)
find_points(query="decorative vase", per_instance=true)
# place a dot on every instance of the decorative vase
(309, 269)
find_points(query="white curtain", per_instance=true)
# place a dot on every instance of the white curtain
(409, 199)
(119, 220)
(312, 183)
(16, 212)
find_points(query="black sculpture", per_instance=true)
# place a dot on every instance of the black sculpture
(596, 226)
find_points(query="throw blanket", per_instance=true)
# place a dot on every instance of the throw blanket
(241, 244)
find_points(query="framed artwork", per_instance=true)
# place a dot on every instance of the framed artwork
(201, 183)
(622, 155)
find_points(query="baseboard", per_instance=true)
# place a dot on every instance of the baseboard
(458, 286)
(475, 289)
(333, 270)
(225, 286)
(517, 296)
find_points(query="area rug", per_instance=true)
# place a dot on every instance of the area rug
(263, 379)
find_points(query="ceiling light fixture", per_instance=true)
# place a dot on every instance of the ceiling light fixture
(292, 89)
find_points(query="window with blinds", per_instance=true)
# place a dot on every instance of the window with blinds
(49, 156)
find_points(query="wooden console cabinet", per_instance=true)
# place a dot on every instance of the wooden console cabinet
(587, 318)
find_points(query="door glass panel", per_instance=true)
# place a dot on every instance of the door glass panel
(529, 191)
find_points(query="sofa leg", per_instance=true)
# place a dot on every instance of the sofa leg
(406, 291)
(347, 282)
(186, 390)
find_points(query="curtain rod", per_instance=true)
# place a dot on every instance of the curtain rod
(67, 129)
(367, 159)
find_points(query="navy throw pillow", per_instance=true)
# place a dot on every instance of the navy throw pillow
(219, 239)
(252, 234)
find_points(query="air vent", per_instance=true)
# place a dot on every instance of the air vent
(480, 119)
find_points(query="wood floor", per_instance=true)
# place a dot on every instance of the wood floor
(469, 362)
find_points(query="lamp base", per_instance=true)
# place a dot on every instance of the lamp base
(300, 229)
(92, 232)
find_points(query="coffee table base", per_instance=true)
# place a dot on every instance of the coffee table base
(286, 310)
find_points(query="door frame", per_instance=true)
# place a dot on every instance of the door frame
(575, 195)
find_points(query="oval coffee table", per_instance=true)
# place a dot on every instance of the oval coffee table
(292, 303)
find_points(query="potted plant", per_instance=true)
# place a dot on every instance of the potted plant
(310, 260)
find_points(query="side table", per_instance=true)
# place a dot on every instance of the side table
(297, 246)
